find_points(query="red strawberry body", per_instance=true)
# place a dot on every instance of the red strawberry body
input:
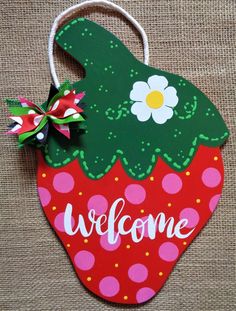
(129, 190)
(129, 272)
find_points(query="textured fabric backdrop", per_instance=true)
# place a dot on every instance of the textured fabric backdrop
(193, 38)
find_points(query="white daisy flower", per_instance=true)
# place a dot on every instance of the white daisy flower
(154, 98)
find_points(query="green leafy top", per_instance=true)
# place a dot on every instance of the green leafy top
(126, 120)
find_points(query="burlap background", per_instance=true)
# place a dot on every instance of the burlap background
(194, 38)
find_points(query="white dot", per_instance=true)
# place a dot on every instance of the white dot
(16, 128)
(40, 136)
(66, 92)
(76, 116)
(37, 120)
(31, 111)
(17, 120)
(55, 105)
(69, 112)
(24, 105)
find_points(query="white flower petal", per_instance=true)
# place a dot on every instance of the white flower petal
(140, 91)
(144, 116)
(170, 97)
(138, 107)
(157, 82)
(141, 110)
(161, 115)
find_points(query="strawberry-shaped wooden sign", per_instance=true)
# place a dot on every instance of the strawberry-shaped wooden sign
(129, 164)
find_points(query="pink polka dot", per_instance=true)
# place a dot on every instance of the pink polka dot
(109, 286)
(63, 182)
(135, 194)
(191, 215)
(213, 202)
(44, 195)
(168, 251)
(138, 273)
(84, 260)
(211, 177)
(98, 203)
(172, 183)
(144, 294)
(106, 245)
(144, 228)
(59, 222)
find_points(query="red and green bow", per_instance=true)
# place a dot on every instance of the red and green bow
(32, 121)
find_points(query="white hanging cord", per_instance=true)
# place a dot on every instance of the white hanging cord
(82, 5)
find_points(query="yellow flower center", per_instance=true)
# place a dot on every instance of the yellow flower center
(155, 99)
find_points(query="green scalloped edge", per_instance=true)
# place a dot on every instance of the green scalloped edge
(120, 155)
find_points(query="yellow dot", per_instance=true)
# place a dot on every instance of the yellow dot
(116, 178)
(128, 246)
(89, 278)
(44, 175)
(116, 265)
(216, 158)
(80, 193)
(68, 245)
(155, 99)
(184, 243)
(198, 201)
(85, 241)
(142, 211)
(160, 273)
(54, 208)
(125, 297)
(169, 204)
(147, 254)
(187, 173)
(152, 178)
